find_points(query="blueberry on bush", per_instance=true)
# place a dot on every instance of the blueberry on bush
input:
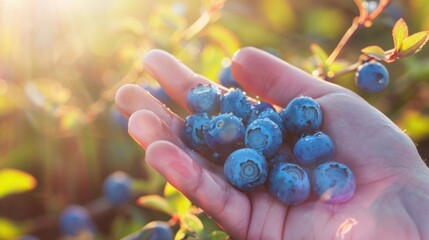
(313, 149)
(117, 188)
(156, 230)
(333, 182)
(246, 169)
(74, 220)
(264, 136)
(302, 115)
(193, 132)
(236, 102)
(204, 98)
(289, 183)
(372, 77)
(224, 133)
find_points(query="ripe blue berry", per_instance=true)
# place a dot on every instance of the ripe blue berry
(264, 136)
(275, 117)
(279, 158)
(246, 169)
(156, 230)
(289, 183)
(226, 78)
(372, 77)
(193, 132)
(302, 115)
(75, 220)
(333, 182)
(117, 188)
(224, 133)
(204, 98)
(313, 149)
(236, 102)
(258, 109)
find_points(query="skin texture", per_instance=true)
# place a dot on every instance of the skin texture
(392, 195)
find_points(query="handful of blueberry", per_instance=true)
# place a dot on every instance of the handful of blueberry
(247, 137)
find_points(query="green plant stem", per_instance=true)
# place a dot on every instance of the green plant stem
(363, 20)
(345, 71)
(343, 42)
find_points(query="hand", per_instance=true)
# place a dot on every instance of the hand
(392, 195)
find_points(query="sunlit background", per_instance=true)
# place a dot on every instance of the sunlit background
(61, 62)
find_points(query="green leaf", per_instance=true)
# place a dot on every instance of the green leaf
(179, 203)
(375, 52)
(155, 202)
(399, 32)
(319, 54)
(9, 229)
(413, 44)
(15, 181)
(191, 223)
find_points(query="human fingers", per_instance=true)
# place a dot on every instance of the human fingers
(176, 78)
(145, 127)
(131, 98)
(275, 80)
(229, 207)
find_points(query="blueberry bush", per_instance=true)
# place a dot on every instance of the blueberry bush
(61, 63)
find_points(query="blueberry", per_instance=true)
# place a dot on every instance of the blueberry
(275, 117)
(313, 149)
(302, 115)
(279, 158)
(156, 230)
(372, 77)
(159, 93)
(193, 132)
(289, 183)
(117, 188)
(204, 98)
(261, 106)
(246, 169)
(226, 78)
(74, 220)
(333, 182)
(236, 102)
(264, 136)
(224, 133)
(258, 109)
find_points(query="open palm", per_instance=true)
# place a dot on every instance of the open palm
(392, 180)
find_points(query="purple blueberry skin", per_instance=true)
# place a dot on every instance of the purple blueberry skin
(226, 78)
(289, 183)
(246, 169)
(117, 188)
(302, 115)
(313, 149)
(333, 182)
(264, 136)
(279, 158)
(156, 230)
(224, 133)
(236, 102)
(275, 117)
(258, 109)
(75, 219)
(193, 131)
(372, 77)
(204, 98)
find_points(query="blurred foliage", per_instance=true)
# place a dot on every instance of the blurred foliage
(61, 63)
